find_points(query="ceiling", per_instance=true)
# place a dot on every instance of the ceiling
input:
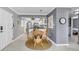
(32, 10)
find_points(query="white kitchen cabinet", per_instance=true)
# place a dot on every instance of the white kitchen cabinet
(7, 23)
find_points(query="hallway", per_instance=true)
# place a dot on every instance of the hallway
(39, 29)
(19, 45)
(39, 23)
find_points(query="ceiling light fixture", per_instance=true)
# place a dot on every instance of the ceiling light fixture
(76, 11)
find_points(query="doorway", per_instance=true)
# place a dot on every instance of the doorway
(73, 29)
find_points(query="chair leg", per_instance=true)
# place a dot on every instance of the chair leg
(42, 44)
(34, 45)
(46, 39)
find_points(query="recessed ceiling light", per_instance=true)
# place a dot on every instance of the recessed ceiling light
(41, 10)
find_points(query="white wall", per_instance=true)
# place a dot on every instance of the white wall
(17, 29)
(50, 21)
(6, 15)
(7, 23)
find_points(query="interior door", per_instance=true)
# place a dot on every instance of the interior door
(74, 29)
(7, 23)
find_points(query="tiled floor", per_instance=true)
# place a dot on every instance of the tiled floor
(19, 45)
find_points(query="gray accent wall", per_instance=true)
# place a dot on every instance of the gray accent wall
(62, 29)
(52, 31)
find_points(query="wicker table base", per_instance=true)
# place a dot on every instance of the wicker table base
(46, 44)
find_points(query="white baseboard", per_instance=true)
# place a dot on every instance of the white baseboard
(13, 40)
(18, 37)
(62, 44)
(57, 44)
